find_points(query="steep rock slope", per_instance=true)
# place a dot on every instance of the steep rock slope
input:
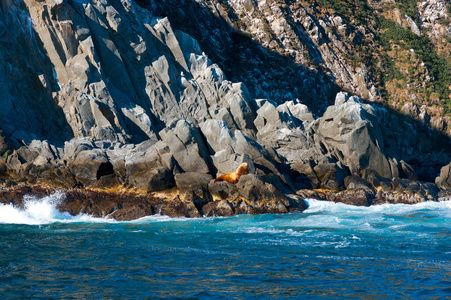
(394, 52)
(110, 95)
(119, 73)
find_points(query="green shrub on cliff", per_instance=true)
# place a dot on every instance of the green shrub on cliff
(437, 65)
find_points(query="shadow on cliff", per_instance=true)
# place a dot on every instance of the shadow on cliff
(419, 145)
(266, 73)
(243, 59)
(28, 104)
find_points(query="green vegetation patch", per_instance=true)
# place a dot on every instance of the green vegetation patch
(438, 66)
(358, 10)
(409, 7)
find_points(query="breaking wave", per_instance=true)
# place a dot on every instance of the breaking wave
(323, 214)
(39, 211)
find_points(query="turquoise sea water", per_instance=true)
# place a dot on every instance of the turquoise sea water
(331, 251)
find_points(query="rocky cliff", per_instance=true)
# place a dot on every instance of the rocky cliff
(131, 100)
(393, 52)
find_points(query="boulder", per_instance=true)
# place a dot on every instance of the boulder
(47, 153)
(224, 160)
(252, 195)
(158, 179)
(232, 163)
(220, 208)
(27, 154)
(75, 146)
(231, 151)
(130, 213)
(354, 182)
(444, 179)
(407, 171)
(375, 179)
(96, 204)
(298, 111)
(297, 204)
(108, 182)
(330, 175)
(357, 197)
(21, 160)
(90, 165)
(217, 134)
(267, 115)
(141, 158)
(306, 177)
(223, 190)
(259, 197)
(278, 128)
(14, 162)
(265, 159)
(350, 131)
(192, 181)
(408, 192)
(238, 99)
(223, 114)
(177, 207)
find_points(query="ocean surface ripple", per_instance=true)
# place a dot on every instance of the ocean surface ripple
(331, 251)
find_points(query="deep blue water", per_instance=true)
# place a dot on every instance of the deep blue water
(330, 251)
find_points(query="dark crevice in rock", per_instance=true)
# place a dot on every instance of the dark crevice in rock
(104, 170)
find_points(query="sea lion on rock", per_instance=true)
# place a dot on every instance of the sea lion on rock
(235, 176)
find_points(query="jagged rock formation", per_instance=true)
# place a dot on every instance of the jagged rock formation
(117, 69)
(389, 51)
(108, 95)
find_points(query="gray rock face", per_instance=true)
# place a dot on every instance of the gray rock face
(157, 179)
(444, 180)
(350, 131)
(90, 165)
(330, 175)
(285, 128)
(192, 181)
(186, 144)
(112, 71)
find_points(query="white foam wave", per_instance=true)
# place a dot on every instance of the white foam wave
(316, 206)
(319, 213)
(289, 232)
(40, 211)
(385, 217)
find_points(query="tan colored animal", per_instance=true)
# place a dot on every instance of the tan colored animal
(235, 176)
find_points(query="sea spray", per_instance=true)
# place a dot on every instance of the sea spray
(39, 211)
